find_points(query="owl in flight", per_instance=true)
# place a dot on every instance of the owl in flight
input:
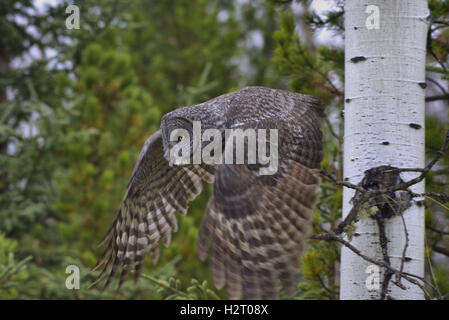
(255, 226)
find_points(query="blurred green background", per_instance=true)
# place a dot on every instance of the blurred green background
(76, 105)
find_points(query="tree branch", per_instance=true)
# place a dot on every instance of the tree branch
(424, 172)
(440, 249)
(407, 276)
(364, 196)
(437, 97)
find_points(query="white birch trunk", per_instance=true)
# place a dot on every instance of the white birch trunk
(384, 94)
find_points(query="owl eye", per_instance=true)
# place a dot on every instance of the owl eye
(180, 138)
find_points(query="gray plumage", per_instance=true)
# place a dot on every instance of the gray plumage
(255, 227)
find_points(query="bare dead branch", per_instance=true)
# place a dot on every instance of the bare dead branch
(438, 97)
(441, 21)
(346, 184)
(440, 249)
(438, 231)
(437, 84)
(363, 197)
(430, 48)
(407, 276)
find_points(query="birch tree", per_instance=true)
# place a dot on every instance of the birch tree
(385, 50)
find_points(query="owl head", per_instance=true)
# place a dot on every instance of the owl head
(178, 139)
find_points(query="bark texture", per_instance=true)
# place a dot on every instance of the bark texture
(384, 125)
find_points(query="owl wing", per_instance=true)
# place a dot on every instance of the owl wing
(146, 215)
(254, 233)
(256, 227)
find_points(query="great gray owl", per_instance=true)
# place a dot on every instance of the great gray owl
(255, 226)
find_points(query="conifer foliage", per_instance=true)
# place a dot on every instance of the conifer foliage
(76, 105)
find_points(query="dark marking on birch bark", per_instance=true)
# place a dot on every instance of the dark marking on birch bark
(415, 126)
(420, 203)
(358, 59)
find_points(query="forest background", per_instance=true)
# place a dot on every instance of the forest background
(76, 106)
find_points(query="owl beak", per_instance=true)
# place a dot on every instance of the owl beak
(170, 158)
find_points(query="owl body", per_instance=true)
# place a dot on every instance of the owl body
(255, 227)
